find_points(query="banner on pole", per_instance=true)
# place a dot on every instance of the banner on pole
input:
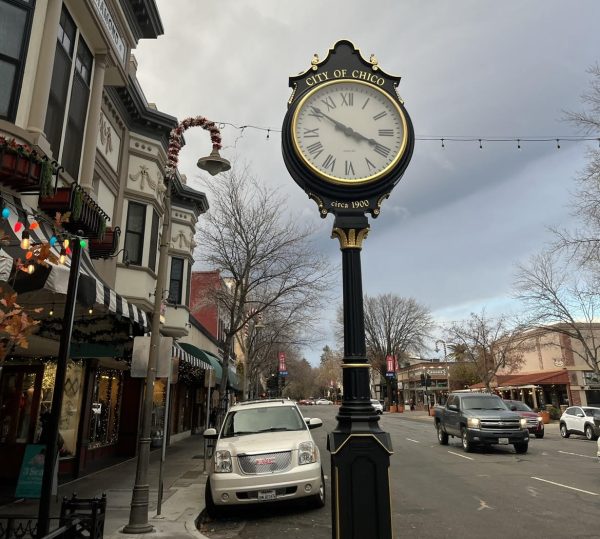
(141, 354)
(282, 367)
(390, 366)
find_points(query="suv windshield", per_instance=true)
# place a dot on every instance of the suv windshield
(264, 419)
(483, 403)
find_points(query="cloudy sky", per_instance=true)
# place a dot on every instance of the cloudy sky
(462, 217)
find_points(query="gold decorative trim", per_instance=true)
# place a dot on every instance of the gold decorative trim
(322, 209)
(377, 210)
(315, 62)
(355, 365)
(374, 62)
(293, 94)
(361, 436)
(350, 238)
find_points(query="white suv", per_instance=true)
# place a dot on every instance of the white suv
(580, 420)
(264, 452)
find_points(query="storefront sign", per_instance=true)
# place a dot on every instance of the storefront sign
(141, 353)
(96, 407)
(111, 28)
(32, 471)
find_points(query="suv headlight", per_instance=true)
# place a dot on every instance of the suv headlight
(540, 419)
(307, 453)
(523, 422)
(223, 462)
(473, 422)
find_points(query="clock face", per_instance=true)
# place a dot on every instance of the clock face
(349, 132)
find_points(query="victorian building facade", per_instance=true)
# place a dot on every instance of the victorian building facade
(83, 156)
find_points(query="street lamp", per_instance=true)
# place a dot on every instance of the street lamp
(138, 515)
(445, 360)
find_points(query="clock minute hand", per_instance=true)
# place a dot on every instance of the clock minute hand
(346, 129)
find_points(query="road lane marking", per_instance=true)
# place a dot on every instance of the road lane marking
(462, 456)
(577, 455)
(411, 440)
(566, 486)
(483, 505)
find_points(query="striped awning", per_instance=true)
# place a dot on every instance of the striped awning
(92, 290)
(189, 358)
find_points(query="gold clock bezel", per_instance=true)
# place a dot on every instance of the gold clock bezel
(348, 181)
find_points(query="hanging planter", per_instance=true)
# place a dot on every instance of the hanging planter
(84, 214)
(23, 170)
(106, 244)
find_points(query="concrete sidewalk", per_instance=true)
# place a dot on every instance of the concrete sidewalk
(183, 497)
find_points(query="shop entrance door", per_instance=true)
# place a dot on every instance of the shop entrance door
(20, 388)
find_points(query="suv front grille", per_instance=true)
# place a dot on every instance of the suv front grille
(500, 424)
(265, 463)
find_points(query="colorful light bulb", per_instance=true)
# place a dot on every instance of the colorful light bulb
(18, 226)
(25, 242)
(53, 240)
(5, 213)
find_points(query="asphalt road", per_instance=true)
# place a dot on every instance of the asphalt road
(553, 491)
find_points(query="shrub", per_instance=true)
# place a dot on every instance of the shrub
(554, 412)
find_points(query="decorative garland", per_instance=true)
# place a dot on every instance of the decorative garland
(26, 151)
(176, 139)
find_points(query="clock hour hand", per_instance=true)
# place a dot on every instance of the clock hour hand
(344, 128)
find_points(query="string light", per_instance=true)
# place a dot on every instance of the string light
(443, 143)
(558, 144)
(66, 243)
(480, 145)
(29, 255)
(30, 268)
(53, 240)
(518, 144)
(82, 243)
(18, 226)
(5, 213)
(25, 241)
(51, 311)
(90, 310)
(63, 256)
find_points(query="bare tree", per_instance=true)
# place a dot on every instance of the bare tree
(265, 255)
(490, 344)
(584, 242)
(563, 301)
(329, 372)
(394, 325)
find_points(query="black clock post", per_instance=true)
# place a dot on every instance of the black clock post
(337, 145)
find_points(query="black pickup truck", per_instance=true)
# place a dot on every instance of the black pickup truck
(480, 419)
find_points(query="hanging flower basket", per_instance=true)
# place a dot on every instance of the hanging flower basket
(84, 214)
(107, 245)
(23, 170)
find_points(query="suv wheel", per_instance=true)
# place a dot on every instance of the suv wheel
(320, 499)
(589, 433)
(563, 431)
(522, 447)
(467, 445)
(441, 435)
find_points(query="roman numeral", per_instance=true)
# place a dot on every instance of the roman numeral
(386, 132)
(315, 149)
(347, 99)
(349, 169)
(329, 162)
(310, 133)
(316, 113)
(370, 165)
(365, 103)
(382, 150)
(328, 101)
(380, 115)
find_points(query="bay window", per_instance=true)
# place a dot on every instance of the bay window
(69, 95)
(176, 281)
(134, 232)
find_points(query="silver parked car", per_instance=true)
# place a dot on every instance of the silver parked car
(264, 452)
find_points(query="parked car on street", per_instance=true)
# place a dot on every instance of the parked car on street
(535, 423)
(377, 405)
(480, 419)
(580, 420)
(323, 401)
(306, 402)
(264, 452)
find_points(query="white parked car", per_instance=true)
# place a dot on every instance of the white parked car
(580, 420)
(323, 401)
(264, 452)
(377, 405)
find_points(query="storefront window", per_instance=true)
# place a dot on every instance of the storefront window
(18, 404)
(106, 403)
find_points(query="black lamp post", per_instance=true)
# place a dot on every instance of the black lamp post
(138, 515)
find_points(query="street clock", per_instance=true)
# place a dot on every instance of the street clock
(347, 138)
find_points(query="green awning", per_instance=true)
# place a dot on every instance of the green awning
(233, 380)
(207, 358)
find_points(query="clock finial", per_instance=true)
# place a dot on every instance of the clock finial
(374, 62)
(315, 61)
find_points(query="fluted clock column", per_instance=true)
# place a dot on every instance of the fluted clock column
(360, 450)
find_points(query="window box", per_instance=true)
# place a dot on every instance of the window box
(85, 215)
(22, 170)
(107, 245)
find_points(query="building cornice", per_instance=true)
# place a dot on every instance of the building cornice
(143, 18)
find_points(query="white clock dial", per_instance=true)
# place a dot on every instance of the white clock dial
(349, 132)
